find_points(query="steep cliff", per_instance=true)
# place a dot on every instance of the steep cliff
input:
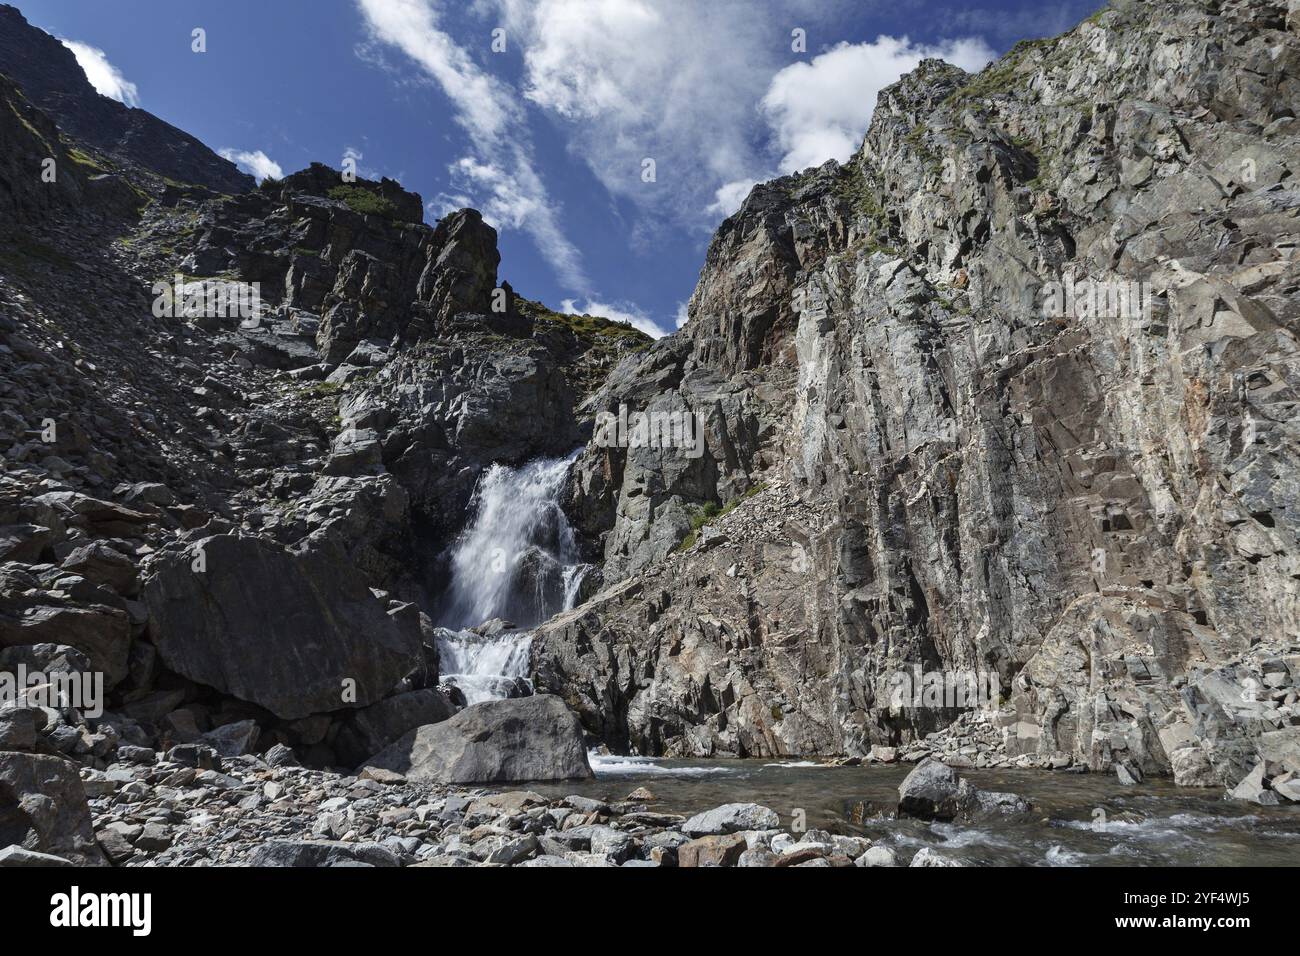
(1012, 391)
(238, 432)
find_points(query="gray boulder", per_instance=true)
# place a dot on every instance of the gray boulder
(43, 808)
(298, 634)
(16, 856)
(530, 738)
(232, 740)
(929, 792)
(933, 791)
(1252, 789)
(731, 818)
(373, 728)
(877, 856)
(314, 853)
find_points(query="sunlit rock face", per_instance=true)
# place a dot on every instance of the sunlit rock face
(1016, 385)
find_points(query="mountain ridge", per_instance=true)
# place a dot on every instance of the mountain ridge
(916, 458)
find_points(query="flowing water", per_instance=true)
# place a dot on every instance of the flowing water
(485, 668)
(517, 560)
(1079, 819)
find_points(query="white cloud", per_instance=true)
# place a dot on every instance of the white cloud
(820, 110)
(501, 169)
(705, 88)
(709, 89)
(256, 163)
(623, 312)
(731, 196)
(629, 80)
(103, 76)
(683, 315)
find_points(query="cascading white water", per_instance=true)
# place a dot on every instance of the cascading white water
(517, 560)
(485, 668)
(518, 555)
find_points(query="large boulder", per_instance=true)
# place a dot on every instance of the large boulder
(317, 853)
(499, 741)
(929, 792)
(373, 728)
(933, 791)
(297, 633)
(731, 818)
(43, 808)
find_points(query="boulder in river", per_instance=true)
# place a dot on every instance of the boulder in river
(498, 741)
(933, 791)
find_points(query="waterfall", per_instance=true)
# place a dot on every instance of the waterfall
(485, 668)
(518, 560)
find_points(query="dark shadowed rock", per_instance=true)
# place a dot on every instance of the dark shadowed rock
(18, 727)
(929, 792)
(43, 808)
(373, 728)
(291, 632)
(312, 853)
(531, 738)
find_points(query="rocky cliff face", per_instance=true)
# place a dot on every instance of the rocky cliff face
(238, 514)
(1016, 389)
(1009, 393)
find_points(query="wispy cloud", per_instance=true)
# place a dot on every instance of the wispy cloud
(103, 76)
(255, 163)
(705, 88)
(631, 80)
(500, 168)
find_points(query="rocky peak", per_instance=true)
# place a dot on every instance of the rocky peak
(384, 198)
(52, 80)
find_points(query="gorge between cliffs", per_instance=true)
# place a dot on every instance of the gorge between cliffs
(957, 525)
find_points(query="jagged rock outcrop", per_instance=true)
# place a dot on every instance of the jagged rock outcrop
(980, 465)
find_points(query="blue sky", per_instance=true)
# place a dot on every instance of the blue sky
(550, 136)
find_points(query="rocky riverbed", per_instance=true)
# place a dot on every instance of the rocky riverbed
(912, 459)
(191, 807)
